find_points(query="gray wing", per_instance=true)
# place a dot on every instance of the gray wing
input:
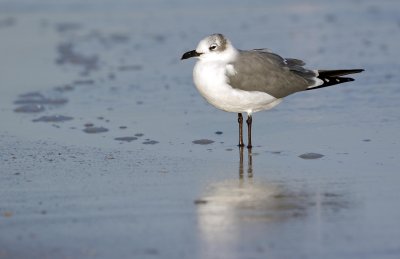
(264, 71)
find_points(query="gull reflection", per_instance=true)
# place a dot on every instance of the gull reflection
(243, 198)
(231, 207)
(249, 163)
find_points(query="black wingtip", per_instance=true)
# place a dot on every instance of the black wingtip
(339, 72)
(334, 77)
(353, 71)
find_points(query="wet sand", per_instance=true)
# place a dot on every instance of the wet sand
(108, 151)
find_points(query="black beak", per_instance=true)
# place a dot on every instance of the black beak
(190, 54)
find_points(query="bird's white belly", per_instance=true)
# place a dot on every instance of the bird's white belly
(211, 81)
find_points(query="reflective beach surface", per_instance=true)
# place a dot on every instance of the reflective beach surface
(108, 151)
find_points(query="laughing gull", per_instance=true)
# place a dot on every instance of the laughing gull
(249, 81)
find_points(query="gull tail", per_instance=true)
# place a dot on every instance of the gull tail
(334, 77)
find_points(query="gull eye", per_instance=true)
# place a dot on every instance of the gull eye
(213, 47)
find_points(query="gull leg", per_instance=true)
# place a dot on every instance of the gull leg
(249, 121)
(240, 120)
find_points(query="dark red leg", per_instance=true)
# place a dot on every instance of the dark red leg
(240, 120)
(249, 121)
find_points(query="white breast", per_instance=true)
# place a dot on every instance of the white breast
(212, 83)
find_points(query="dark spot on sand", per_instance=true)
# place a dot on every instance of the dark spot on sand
(330, 18)
(275, 152)
(130, 68)
(39, 99)
(229, 149)
(30, 108)
(53, 118)
(31, 95)
(127, 139)
(367, 140)
(311, 156)
(68, 55)
(112, 76)
(373, 9)
(329, 194)
(139, 135)
(151, 251)
(88, 124)
(7, 22)
(199, 202)
(159, 38)
(91, 130)
(119, 38)
(83, 82)
(67, 26)
(389, 76)
(218, 132)
(7, 214)
(123, 127)
(64, 88)
(150, 142)
(203, 141)
(367, 42)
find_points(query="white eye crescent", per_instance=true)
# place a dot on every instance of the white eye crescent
(213, 47)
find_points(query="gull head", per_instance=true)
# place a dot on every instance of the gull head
(215, 47)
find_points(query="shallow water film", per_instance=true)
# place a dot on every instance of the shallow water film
(107, 150)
